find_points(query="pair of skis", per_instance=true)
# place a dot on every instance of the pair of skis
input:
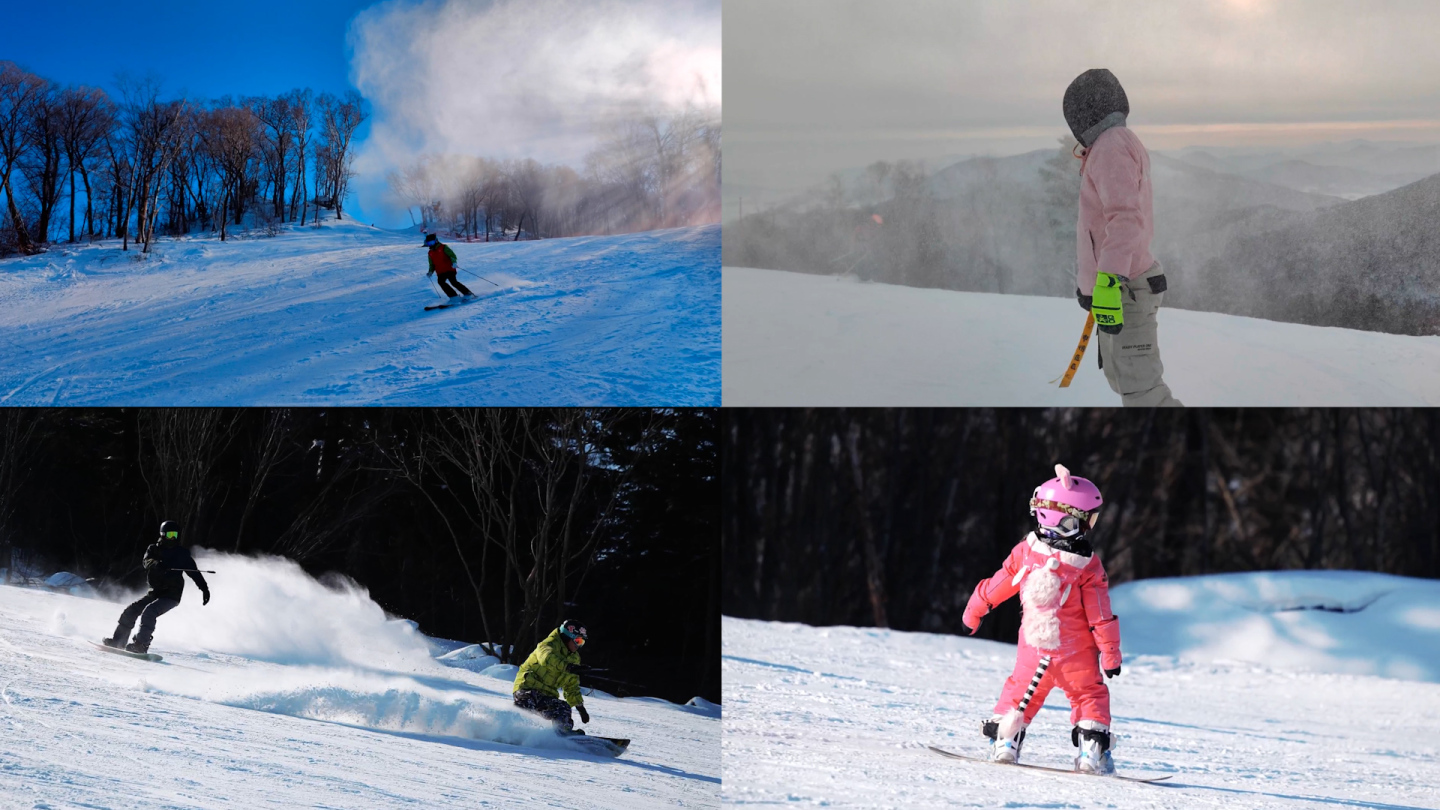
(452, 303)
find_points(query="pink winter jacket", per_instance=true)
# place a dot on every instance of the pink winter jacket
(1065, 596)
(1116, 221)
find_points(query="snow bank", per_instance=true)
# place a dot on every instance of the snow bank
(472, 657)
(1324, 621)
(792, 339)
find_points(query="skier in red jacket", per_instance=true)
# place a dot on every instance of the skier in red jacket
(1066, 602)
(442, 266)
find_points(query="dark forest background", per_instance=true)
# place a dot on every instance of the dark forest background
(480, 525)
(890, 517)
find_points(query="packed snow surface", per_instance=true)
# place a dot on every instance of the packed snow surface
(792, 339)
(336, 316)
(284, 692)
(1322, 621)
(841, 716)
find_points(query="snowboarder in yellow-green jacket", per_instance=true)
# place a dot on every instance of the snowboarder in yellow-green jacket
(550, 670)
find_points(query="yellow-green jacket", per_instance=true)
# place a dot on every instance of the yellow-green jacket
(548, 670)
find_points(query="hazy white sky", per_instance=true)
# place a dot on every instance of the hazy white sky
(821, 85)
(522, 78)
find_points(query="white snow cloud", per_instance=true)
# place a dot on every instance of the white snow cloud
(523, 78)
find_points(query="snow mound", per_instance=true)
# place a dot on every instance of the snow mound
(1323, 621)
(501, 672)
(792, 339)
(704, 706)
(472, 657)
(73, 584)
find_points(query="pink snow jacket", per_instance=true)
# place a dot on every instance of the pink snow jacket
(1116, 221)
(1066, 601)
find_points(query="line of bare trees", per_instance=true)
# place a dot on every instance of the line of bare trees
(890, 517)
(648, 172)
(149, 166)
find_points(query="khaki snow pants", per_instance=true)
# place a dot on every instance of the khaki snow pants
(1131, 359)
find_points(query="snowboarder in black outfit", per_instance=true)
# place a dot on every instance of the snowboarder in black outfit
(442, 265)
(165, 559)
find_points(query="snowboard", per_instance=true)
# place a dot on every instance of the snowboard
(1146, 779)
(607, 746)
(117, 651)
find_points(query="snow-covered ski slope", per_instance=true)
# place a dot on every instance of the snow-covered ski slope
(336, 316)
(284, 693)
(795, 339)
(840, 716)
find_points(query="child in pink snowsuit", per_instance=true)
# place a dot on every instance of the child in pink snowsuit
(1066, 616)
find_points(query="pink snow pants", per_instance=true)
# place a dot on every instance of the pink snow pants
(1077, 674)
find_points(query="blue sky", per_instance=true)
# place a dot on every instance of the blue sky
(205, 49)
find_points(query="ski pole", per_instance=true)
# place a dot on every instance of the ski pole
(477, 275)
(192, 571)
(1010, 726)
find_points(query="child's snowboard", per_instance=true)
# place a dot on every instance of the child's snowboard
(119, 651)
(1146, 779)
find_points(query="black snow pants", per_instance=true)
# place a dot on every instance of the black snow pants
(147, 609)
(553, 709)
(446, 279)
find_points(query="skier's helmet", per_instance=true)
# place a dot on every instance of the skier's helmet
(1093, 96)
(1064, 505)
(430, 239)
(574, 631)
(170, 530)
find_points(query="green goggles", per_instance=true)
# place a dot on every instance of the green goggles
(171, 535)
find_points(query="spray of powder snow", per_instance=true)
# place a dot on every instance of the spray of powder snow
(269, 609)
(524, 78)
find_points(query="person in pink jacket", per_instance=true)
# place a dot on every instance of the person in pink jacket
(1065, 599)
(1117, 278)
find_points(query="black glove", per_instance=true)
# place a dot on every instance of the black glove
(429, 273)
(584, 715)
(1083, 299)
(205, 597)
(1110, 673)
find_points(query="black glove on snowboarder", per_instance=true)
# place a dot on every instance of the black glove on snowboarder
(1083, 299)
(1110, 673)
(205, 597)
(584, 715)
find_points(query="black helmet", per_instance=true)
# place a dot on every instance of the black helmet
(574, 631)
(430, 239)
(169, 530)
(1090, 101)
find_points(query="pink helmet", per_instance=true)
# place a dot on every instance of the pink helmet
(1065, 496)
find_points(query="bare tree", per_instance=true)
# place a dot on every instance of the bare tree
(86, 120)
(230, 135)
(339, 118)
(46, 155)
(178, 452)
(301, 104)
(19, 92)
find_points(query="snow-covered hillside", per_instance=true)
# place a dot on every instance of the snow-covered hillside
(841, 716)
(286, 693)
(336, 316)
(797, 339)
